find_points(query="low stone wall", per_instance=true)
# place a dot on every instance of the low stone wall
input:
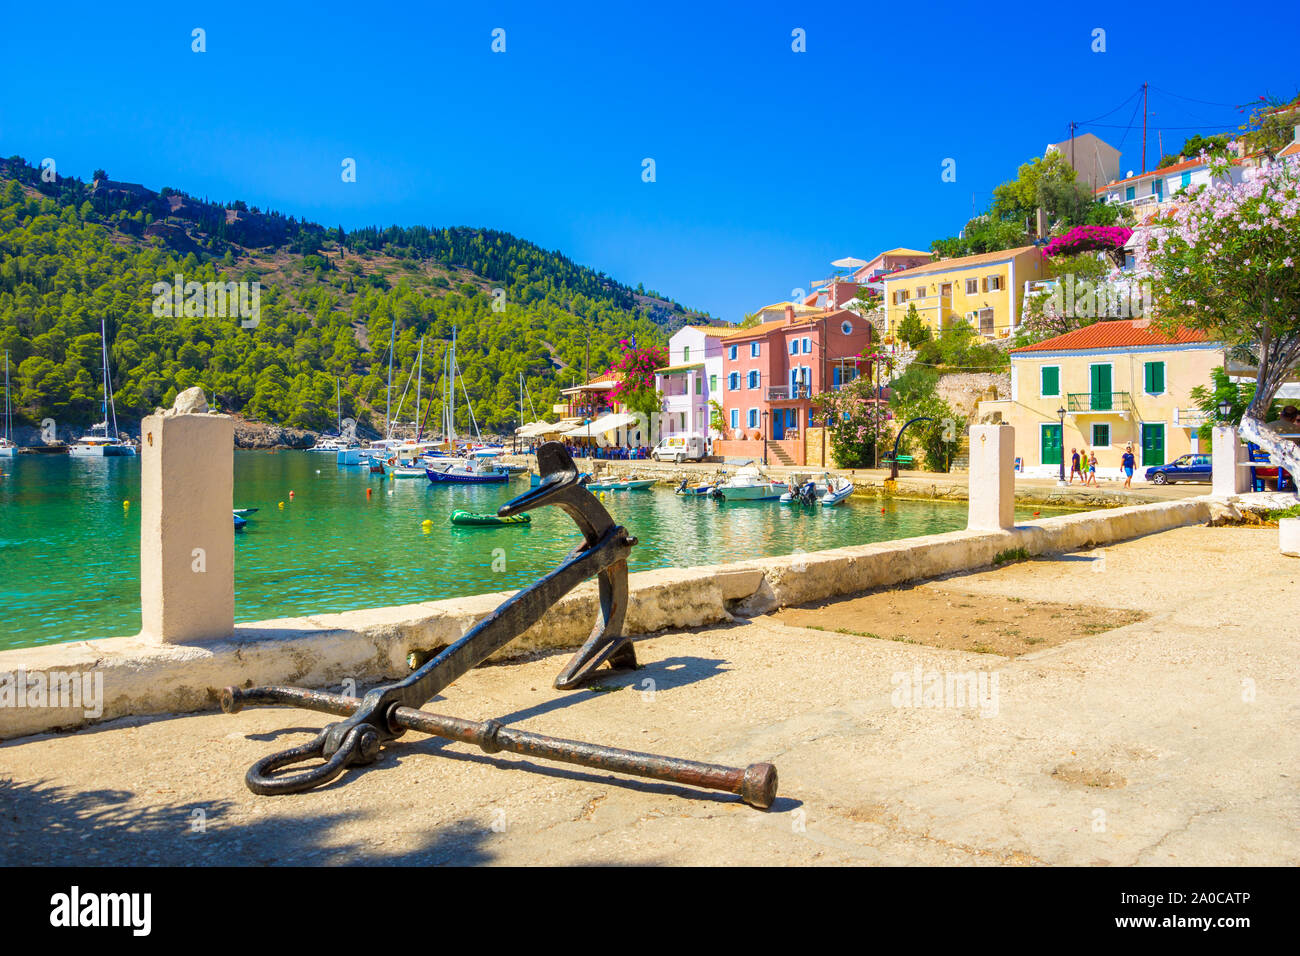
(144, 677)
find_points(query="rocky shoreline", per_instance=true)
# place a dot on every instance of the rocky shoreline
(248, 434)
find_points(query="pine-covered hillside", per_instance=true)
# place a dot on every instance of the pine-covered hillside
(73, 253)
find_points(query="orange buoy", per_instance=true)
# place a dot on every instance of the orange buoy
(368, 492)
(291, 494)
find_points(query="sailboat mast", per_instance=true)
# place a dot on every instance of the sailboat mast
(419, 376)
(338, 403)
(451, 404)
(388, 406)
(9, 418)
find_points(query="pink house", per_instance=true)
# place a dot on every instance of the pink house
(772, 372)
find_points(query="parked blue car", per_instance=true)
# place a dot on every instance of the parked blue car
(1184, 468)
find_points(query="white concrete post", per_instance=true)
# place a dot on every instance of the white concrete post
(992, 488)
(1227, 476)
(1288, 531)
(187, 533)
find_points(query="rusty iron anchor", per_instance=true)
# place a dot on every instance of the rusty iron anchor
(388, 711)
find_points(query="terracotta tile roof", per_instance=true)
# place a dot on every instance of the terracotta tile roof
(1194, 163)
(1114, 334)
(953, 265)
(901, 251)
(716, 331)
(1292, 150)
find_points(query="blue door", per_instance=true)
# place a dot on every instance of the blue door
(778, 424)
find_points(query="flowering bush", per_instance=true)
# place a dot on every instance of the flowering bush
(635, 371)
(1224, 261)
(1088, 239)
(854, 416)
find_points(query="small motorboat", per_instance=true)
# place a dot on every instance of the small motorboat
(750, 483)
(837, 489)
(629, 484)
(473, 472)
(239, 522)
(245, 512)
(702, 490)
(805, 494)
(470, 519)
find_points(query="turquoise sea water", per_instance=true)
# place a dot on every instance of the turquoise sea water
(69, 552)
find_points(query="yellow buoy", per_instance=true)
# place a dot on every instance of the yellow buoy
(426, 525)
(126, 505)
(281, 505)
(602, 496)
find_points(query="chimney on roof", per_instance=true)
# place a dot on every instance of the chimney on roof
(789, 312)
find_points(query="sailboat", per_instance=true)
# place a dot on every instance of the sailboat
(98, 443)
(7, 447)
(475, 468)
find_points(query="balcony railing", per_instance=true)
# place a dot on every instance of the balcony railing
(1191, 417)
(786, 393)
(1118, 402)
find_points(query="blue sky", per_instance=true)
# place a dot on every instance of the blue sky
(769, 163)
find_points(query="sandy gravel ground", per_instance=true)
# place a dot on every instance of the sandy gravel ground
(1171, 740)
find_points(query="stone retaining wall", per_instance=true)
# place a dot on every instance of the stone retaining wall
(144, 677)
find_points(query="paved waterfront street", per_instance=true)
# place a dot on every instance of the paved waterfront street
(1169, 740)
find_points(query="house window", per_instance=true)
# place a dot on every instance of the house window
(986, 321)
(1130, 192)
(794, 346)
(735, 418)
(752, 420)
(1153, 378)
(733, 381)
(752, 379)
(945, 289)
(731, 352)
(699, 384)
(1050, 381)
(995, 283)
(807, 346)
(1158, 188)
(753, 350)
(686, 353)
(1186, 180)
(1101, 435)
(972, 286)
(847, 328)
(920, 292)
(713, 384)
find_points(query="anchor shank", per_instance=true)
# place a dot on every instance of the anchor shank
(511, 619)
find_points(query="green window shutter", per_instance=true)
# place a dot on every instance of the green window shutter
(1051, 380)
(1154, 377)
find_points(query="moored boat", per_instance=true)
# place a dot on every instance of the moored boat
(836, 491)
(7, 447)
(98, 443)
(630, 484)
(750, 484)
(468, 473)
(471, 519)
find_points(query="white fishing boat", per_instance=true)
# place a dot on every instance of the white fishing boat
(7, 447)
(98, 442)
(750, 483)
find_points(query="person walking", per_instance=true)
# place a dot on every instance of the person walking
(1074, 466)
(1092, 468)
(1128, 463)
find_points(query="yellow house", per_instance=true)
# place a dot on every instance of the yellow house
(1103, 387)
(985, 291)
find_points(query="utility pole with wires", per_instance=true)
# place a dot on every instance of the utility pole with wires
(1144, 127)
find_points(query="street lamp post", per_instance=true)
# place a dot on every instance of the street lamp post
(765, 436)
(1061, 413)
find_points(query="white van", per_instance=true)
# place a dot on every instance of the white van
(683, 447)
